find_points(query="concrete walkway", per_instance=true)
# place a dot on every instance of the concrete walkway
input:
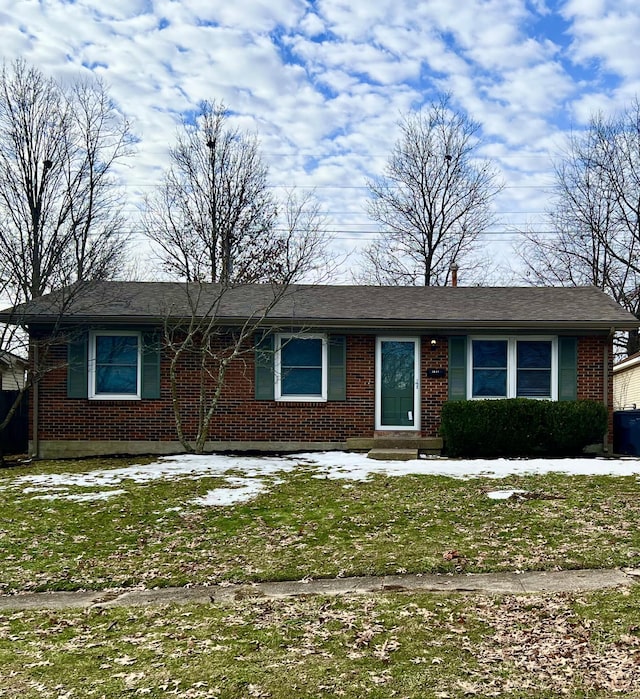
(482, 583)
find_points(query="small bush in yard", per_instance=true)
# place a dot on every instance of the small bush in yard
(521, 427)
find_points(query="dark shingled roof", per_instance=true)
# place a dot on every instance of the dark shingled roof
(461, 308)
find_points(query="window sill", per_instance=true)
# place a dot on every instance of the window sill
(301, 399)
(116, 397)
(513, 398)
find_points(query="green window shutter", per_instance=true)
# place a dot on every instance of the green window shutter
(567, 368)
(150, 373)
(77, 376)
(264, 372)
(457, 368)
(337, 370)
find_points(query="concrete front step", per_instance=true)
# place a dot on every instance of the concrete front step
(426, 445)
(393, 454)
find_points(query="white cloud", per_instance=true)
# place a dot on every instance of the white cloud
(312, 25)
(611, 40)
(538, 89)
(250, 15)
(606, 36)
(324, 83)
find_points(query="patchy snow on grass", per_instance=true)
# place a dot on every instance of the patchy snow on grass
(247, 476)
(242, 490)
(504, 494)
(252, 475)
(357, 467)
(80, 497)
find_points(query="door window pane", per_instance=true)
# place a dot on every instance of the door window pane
(397, 374)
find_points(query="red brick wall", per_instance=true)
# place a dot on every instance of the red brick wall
(591, 372)
(435, 390)
(240, 417)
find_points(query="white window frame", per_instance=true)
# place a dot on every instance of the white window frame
(512, 368)
(93, 395)
(280, 339)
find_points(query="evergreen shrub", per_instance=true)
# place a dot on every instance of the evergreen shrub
(521, 427)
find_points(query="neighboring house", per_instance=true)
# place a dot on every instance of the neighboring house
(14, 437)
(12, 372)
(333, 365)
(626, 383)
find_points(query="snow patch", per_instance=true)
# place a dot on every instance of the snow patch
(245, 477)
(79, 497)
(504, 494)
(242, 490)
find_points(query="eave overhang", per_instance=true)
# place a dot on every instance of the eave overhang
(454, 326)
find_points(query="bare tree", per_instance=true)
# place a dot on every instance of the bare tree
(214, 216)
(60, 209)
(595, 215)
(201, 338)
(433, 200)
(200, 341)
(217, 225)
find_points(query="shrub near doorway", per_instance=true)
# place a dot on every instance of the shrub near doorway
(521, 427)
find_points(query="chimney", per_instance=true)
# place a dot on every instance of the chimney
(453, 267)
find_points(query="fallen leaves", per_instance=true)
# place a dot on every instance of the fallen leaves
(451, 555)
(125, 660)
(549, 645)
(408, 646)
(455, 557)
(311, 528)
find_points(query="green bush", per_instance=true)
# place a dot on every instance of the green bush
(521, 427)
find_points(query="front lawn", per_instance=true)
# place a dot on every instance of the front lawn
(105, 523)
(124, 530)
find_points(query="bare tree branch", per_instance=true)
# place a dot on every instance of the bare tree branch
(60, 208)
(595, 215)
(60, 217)
(432, 202)
(201, 342)
(214, 208)
(217, 225)
(215, 218)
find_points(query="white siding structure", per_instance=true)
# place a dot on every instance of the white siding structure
(12, 372)
(626, 383)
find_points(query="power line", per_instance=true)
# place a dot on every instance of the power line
(145, 185)
(344, 235)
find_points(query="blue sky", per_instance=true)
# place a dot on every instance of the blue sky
(324, 82)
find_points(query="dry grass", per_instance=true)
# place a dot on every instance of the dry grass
(411, 646)
(153, 535)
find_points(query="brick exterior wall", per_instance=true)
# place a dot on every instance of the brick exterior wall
(240, 417)
(434, 390)
(591, 374)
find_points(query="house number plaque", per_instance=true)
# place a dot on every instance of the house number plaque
(436, 373)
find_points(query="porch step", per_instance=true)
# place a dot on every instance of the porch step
(431, 446)
(393, 454)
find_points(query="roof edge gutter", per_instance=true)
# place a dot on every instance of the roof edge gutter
(427, 325)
